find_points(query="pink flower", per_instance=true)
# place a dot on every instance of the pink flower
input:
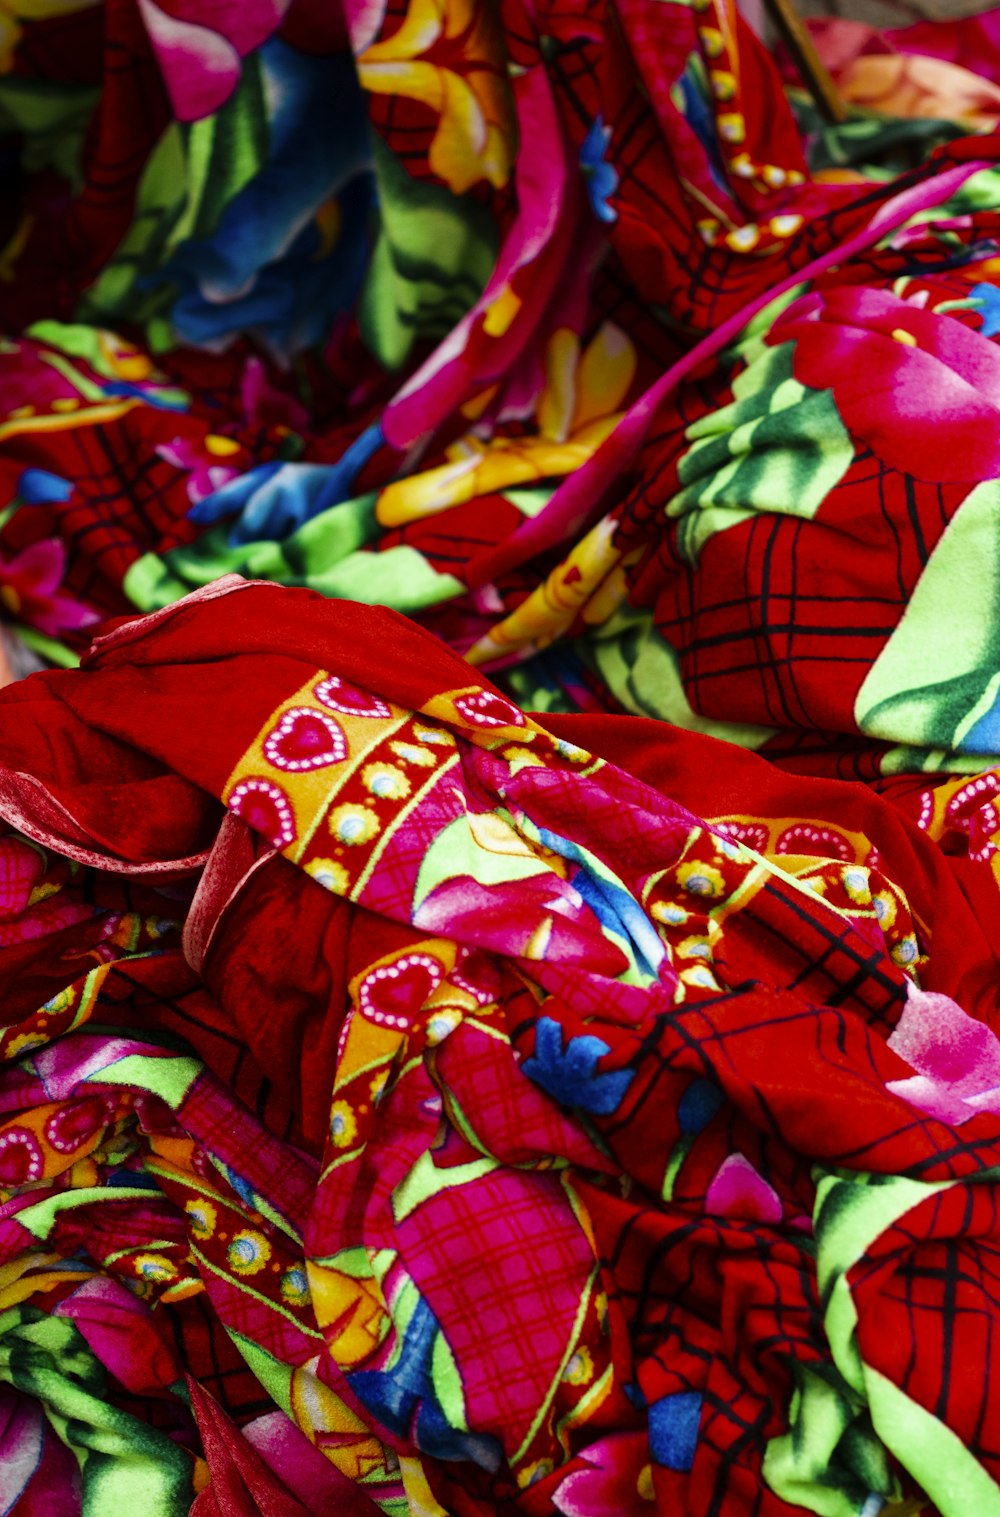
(201, 44)
(615, 1480)
(955, 1058)
(29, 584)
(921, 389)
(204, 458)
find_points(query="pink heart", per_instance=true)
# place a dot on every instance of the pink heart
(393, 993)
(484, 708)
(20, 1157)
(305, 739)
(266, 808)
(348, 699)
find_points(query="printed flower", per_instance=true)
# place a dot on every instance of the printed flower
(532, 1473)
(570, 1074)
(202, 1217)
(385, 782)
(580, 1369)
(578, 407)
(600, 176)
(669, 913)
(343, 1125)
(248, 1253)
(921, 389)
(38, 487)
(955, 1059)
(295, 1286)
(695, 947)
(612, 1480)
(413, 753)
(856, 882)
(288, 251)
(204, 458)
(201, 64)
(987, 297)
(884, 904)
(29, 586)
(469, 92)
(155, 1269)
(353, 825)
(330, 874)
(700, 879)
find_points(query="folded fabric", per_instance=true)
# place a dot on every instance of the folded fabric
(533, 325)
(395, 1079)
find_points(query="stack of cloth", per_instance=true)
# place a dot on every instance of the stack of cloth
(500, 933)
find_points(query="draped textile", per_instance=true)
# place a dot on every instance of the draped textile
(410, 1105)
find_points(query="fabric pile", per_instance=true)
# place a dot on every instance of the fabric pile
(512, 1032)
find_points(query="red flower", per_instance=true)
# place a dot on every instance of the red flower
(921, 389)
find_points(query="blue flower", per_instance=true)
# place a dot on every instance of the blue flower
(275, 499)
(571, 1075)
(698, 1105)
(600, 176)
(37, 487)
(290, 249)
(405, 1400)
(987, 297)
(673, 1429)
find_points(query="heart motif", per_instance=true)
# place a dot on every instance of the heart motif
(393, 993)
(305, 739)
(484, 708)
(348, 699)
(266, 808)
(744, 832)
(20, 1157)
(74, 1123)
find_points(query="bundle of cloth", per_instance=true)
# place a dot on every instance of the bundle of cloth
(532, 322)
(411, 1106)
(534, 1053)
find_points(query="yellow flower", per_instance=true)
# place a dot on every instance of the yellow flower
(579, 405)
(295, 1286)
(414, 753)
(202, 1216)
(532, 1473)
(580, 1369)
(854, 879)
(700, 879)
(353, 825)
(669, 913)
(343, 1124)
(885, 908)
(695, 947)
(385, 782)
(154, 1269)
(248, 1253)
(469, 93)
(331, 875)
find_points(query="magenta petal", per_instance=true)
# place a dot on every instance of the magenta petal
(738, 1191)
(245, 23)
(956, 1059)
(607, 1484)
(38, 569)
(200, 68)
(60, 613)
